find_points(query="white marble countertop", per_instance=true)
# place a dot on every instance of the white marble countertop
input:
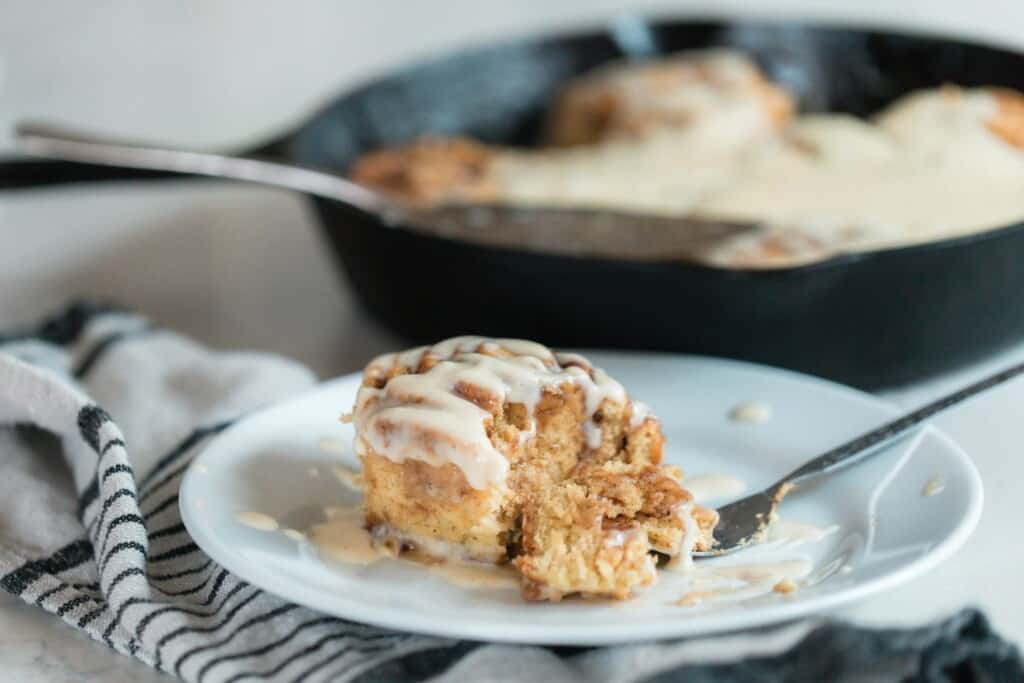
(244, 267)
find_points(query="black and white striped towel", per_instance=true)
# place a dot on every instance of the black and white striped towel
(126, 405)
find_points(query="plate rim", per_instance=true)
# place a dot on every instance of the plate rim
(600, 634)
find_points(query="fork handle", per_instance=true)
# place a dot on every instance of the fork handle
(866, 445)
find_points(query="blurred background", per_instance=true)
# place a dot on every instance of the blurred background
(227, 72)
(243, 266)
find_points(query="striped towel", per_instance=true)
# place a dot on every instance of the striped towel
(126, 405)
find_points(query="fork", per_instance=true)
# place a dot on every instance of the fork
(745, 521)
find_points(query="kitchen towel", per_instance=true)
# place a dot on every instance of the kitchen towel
(100, 415)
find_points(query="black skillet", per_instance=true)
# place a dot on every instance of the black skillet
(871, 319)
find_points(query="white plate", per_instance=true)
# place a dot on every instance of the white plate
(888, 531)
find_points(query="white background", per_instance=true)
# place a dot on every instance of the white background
(230, 71)
(241, 266)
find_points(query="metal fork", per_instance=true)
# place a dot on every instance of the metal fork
(745, 521)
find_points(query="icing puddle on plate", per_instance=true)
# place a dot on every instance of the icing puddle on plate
(769, 569)
(342, 538)
(933, 487)
(350, 478)
(708, 585)
(256, 520)
(752, 412)
(711, 487)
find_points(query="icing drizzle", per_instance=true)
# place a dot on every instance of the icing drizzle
(440, 411)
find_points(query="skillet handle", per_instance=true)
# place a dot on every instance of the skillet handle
(53, 141)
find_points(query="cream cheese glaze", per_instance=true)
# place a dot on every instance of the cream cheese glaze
(929, 167)
(256, 520)
(441, 415)
(710, 487)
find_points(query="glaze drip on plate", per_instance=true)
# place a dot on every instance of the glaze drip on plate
(441, 414)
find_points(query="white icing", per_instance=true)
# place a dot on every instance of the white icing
(725, 584)
(710, 487)
(678, 168)
(256, 520)
(683, 562)
(933, 487)
(641, 411)
(430, 416)
(343, 538)
(350, 478)
(715, 103)
(929, 167)
(753, 412)
(597, 387)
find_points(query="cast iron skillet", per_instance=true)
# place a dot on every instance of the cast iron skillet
(870, 319)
